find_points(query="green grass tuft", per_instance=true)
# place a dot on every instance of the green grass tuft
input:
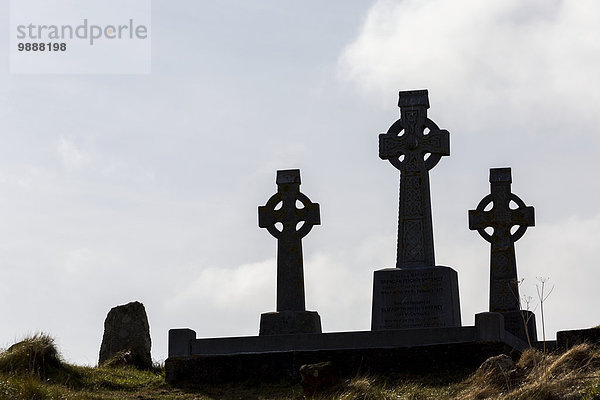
(120, 378)
(35, 356)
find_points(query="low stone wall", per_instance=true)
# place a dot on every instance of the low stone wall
(285, 366)
(566, 339)
(279, 357)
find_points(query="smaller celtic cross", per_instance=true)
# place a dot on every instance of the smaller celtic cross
(295, 223)
(414, 144)
(504, 290)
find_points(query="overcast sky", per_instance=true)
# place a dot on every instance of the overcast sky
(115, 188)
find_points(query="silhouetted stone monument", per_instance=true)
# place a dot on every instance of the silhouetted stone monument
(504, 288)
(295, 223)
(127, 336)
(416, 293)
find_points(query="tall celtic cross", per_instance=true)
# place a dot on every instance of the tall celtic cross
(294, 223)
(504, 290)
(414, 144)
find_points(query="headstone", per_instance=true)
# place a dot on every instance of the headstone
(502, 218)
(289, 223)
(126, 331)
(417, 293)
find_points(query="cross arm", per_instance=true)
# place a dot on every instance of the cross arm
(267, 216)
(391, 146)
(524, 216)
(310, 214)
(480, 219)
(437, 142)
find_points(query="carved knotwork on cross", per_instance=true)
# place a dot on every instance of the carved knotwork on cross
(414, 144)
(504, 290)
(296, 222)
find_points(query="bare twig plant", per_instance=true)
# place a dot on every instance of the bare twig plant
(542, 297)
(525, 316)
(540, 287)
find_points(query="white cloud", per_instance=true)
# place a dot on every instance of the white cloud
(126, 171)
(531, 58)
(79, 261)
(71, 156)
(338, 291)
(221, 289)
(107, 166)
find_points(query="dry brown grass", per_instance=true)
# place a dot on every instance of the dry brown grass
(538, 376)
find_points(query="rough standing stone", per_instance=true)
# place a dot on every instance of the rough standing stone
(504, 288)
(281, 208)
(500, 364)
(416, 293)
(317, 377)
(126, 329)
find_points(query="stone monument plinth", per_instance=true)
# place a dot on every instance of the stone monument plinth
(417, 293)
(415, 298)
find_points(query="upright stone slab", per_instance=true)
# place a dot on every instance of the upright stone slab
(504, 288)
(127, 335)
(416, 293)
(295, 223)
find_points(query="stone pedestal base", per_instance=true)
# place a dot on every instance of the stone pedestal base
(289, 322)
(415, 298)
(516, 321)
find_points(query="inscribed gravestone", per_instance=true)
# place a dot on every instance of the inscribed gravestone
(294, 223)
(416, 293)
(504, 289)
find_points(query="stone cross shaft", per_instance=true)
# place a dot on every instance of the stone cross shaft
(296, 222)
(414, 144)
(504, 290)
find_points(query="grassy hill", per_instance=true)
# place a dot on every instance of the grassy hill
(33, 370)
